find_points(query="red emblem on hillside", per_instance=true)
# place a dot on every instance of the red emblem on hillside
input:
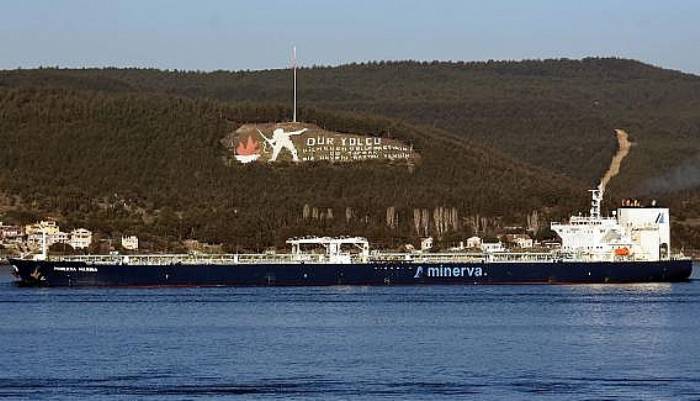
(249, 148)
(249, 151)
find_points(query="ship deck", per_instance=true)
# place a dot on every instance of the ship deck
(378, 257)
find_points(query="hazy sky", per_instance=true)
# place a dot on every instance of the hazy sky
(229, 34)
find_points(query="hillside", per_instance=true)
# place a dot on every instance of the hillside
(153, 164)
(500, 139)
(556, 114)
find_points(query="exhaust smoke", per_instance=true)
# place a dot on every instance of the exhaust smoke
(684, 177)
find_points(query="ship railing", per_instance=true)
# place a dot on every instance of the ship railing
(524, 257)
(426, 257)
(311, 258)
(193, 259)
(611, 257)
(585, 257)
(585, 220)
(465, 257)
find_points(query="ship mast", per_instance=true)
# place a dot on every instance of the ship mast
(596, 199)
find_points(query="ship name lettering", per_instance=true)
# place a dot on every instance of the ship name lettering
(455, 272)
(74, 269)
(64, 269)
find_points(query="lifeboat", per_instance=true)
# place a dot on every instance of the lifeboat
(622, 251)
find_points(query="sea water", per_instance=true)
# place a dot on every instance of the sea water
(569, 342)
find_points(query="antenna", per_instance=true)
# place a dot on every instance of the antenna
(294, 67)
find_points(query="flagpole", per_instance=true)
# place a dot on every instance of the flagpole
(294, 65)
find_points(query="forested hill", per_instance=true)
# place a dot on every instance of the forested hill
(153, 164)
(135, 149)
(557, 114)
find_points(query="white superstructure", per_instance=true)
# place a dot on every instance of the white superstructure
(631, 233)
(333, 247)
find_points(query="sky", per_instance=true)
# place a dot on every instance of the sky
(239, 35)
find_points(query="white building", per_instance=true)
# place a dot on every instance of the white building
(130, 242)
(80, 238)
(522, 241)
(474, 242)
(45, 226)
(9, 231)
(490, 247)
(426, 244)
(35, 241)
(57, 238)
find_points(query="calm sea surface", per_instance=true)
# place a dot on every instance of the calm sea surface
(623, 342)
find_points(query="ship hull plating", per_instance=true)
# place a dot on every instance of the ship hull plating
(78, 274)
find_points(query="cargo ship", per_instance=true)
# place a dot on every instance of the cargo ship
(633, 245)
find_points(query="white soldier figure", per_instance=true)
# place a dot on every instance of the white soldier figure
(282, 140)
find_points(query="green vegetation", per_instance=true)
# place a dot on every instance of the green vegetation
(127, 150)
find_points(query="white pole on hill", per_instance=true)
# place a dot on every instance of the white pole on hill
(294, 66)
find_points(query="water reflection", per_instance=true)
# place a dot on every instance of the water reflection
(641, 288)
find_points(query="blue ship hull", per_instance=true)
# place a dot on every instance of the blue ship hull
(78, 274)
